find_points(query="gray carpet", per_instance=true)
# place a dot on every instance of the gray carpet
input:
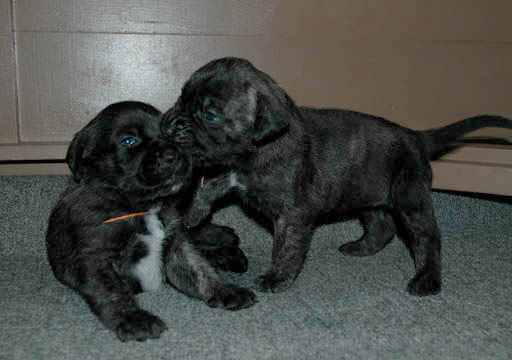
(339, 308)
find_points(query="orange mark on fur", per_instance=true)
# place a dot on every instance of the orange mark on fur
(127, 216)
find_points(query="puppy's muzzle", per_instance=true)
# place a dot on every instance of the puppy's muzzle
(171, 161)
(178, 130)
(166, 164)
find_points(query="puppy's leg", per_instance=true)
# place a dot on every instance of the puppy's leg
(110, 297)
(292, 240)
(189, 272)
(379, 229)
(421, 235)
(206, 196)
(220, 246)
(214, 235)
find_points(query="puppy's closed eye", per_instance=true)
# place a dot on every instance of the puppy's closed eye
(211, 116)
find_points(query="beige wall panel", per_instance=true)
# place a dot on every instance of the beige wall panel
(8, 128)
(486, 20)
(65, 79)
(393, 79)
(8, 131)
(483, 20)
(421, 84)
(419, 63)
(5, 16)
(479, 178)
(34, 151)
(145, 16)
(417, 84)
(62, 86)
(477, 79)
(34, 169)
(497, 155)
(349, 19)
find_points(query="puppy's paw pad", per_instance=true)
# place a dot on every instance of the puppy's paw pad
(424, 285)
(231, 297)
(356, 248)
(367, 245)
(272, 283)
(140, 325)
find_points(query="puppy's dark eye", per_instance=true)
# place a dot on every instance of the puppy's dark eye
(128, 142)
(210, 116)
(170, 131)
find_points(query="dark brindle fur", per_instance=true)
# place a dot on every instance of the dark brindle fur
(301, 166)
(120, 167)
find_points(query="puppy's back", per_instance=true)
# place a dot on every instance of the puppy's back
(354, 151)
(357, 138)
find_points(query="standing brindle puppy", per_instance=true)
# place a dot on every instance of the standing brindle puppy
(299, 166)
(120, 167)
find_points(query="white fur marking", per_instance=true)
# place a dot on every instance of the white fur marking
(205, 274)
(251, 104)
(149, 269)
(234, 183)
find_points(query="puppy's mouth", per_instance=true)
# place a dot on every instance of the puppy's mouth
(207, 150)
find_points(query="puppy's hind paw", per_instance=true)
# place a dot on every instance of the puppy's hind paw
(231, 297)
(272, 283)
(358, 248)
(424, 285)
(140, 325)
(353, 248)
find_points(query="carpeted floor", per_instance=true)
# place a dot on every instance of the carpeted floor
(339, 308)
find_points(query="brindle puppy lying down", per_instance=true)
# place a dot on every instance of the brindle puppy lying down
(116, 229)
(301, 166)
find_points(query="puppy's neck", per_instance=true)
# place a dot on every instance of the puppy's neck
(289, 145)
(133, 202)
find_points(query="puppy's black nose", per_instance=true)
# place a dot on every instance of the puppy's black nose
(177, 128)
(179, 132)
(172, 125)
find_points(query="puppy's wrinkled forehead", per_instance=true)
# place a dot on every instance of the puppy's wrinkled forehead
(137, 121)
(227, 93)
(125, 121)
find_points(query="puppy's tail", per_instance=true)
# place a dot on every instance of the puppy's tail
(442, 140)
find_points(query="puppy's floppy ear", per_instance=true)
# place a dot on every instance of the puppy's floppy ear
(272, 116)
(77, 152)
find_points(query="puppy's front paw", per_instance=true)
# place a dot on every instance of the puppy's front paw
(140, 325)
(196, 215)
(270, 282)
(425, 284)
(231, 297)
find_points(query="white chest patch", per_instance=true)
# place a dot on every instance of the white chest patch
(149, 269)
(234, 183)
